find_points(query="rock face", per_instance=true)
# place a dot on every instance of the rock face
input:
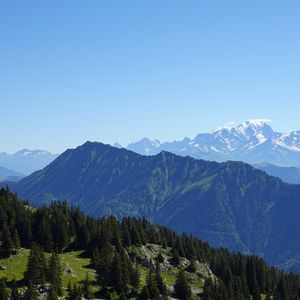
(230, 204)
(148, 257)
(253, 141)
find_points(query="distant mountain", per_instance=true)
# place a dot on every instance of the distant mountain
(286, 174)
(228, 204)
(253, 141)
(10, 175)
(26, 161)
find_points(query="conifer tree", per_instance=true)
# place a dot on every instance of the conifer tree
(182, 288)
(159, 281)
(52, 293)
(175, 255)
(104, 267)
(126, 235)
(36, 267)
(135, 278)
(122, 296)
(3, 290)
(16, 241)
(160, 258)
(87, 292)
(116, 276)
(55, 273)
(208, 290)
(145, 294)
(192, 268)
(45, 236)
(151, 284)
(14, 294)
(75, 293)
(7, 245)
(30, 293)
(96, 257)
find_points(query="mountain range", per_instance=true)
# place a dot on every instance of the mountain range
(229, 204)
(253, 142)
(10, 175)
(26, 161)
(286, 174)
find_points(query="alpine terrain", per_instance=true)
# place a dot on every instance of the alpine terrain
(253, 141)
(228, 204)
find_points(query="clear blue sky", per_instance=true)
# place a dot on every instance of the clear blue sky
(72, 71)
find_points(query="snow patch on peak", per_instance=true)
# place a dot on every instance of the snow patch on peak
(259, 122)
(227, 126)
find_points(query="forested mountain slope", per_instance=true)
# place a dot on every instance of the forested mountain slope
(129, 259)
(228, 204)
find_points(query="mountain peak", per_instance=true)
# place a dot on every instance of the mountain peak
(252, 141)
(28, 152)
(258, 122)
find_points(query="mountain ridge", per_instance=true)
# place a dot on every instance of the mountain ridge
(26, 161)
(9, 175)
(229, 204)
(253, 141)
(286, 174)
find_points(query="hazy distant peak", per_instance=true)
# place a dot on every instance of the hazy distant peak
(252, 141)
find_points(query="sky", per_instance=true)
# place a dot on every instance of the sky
(107, 71)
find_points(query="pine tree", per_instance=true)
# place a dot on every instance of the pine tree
(104, 267)
(192, 268)
(181, 287)
(145, 294)
(16, 241)
(45, 236)
(116, 276)
(36, 267)
(55, 273)
(135, 278)
(126, 235)
(151, 284)
(96, 258)
(160, 258)
(7, 246)
(75, 293)
(159, 281)
(52, 293)
(14, 295)
(122, 296)
(60, 228)
(175, 255)
(3, 290)
(208, 290)
(87, 293)
(256, 291)
(282, 289)
(30, 293)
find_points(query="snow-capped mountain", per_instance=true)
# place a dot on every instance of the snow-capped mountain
(26, 161)
(253, 141)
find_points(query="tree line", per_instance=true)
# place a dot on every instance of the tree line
(106, 240)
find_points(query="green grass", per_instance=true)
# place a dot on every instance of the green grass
(15, 266)
(74, 266)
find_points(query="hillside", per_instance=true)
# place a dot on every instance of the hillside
(58, 250)
(229, 204)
